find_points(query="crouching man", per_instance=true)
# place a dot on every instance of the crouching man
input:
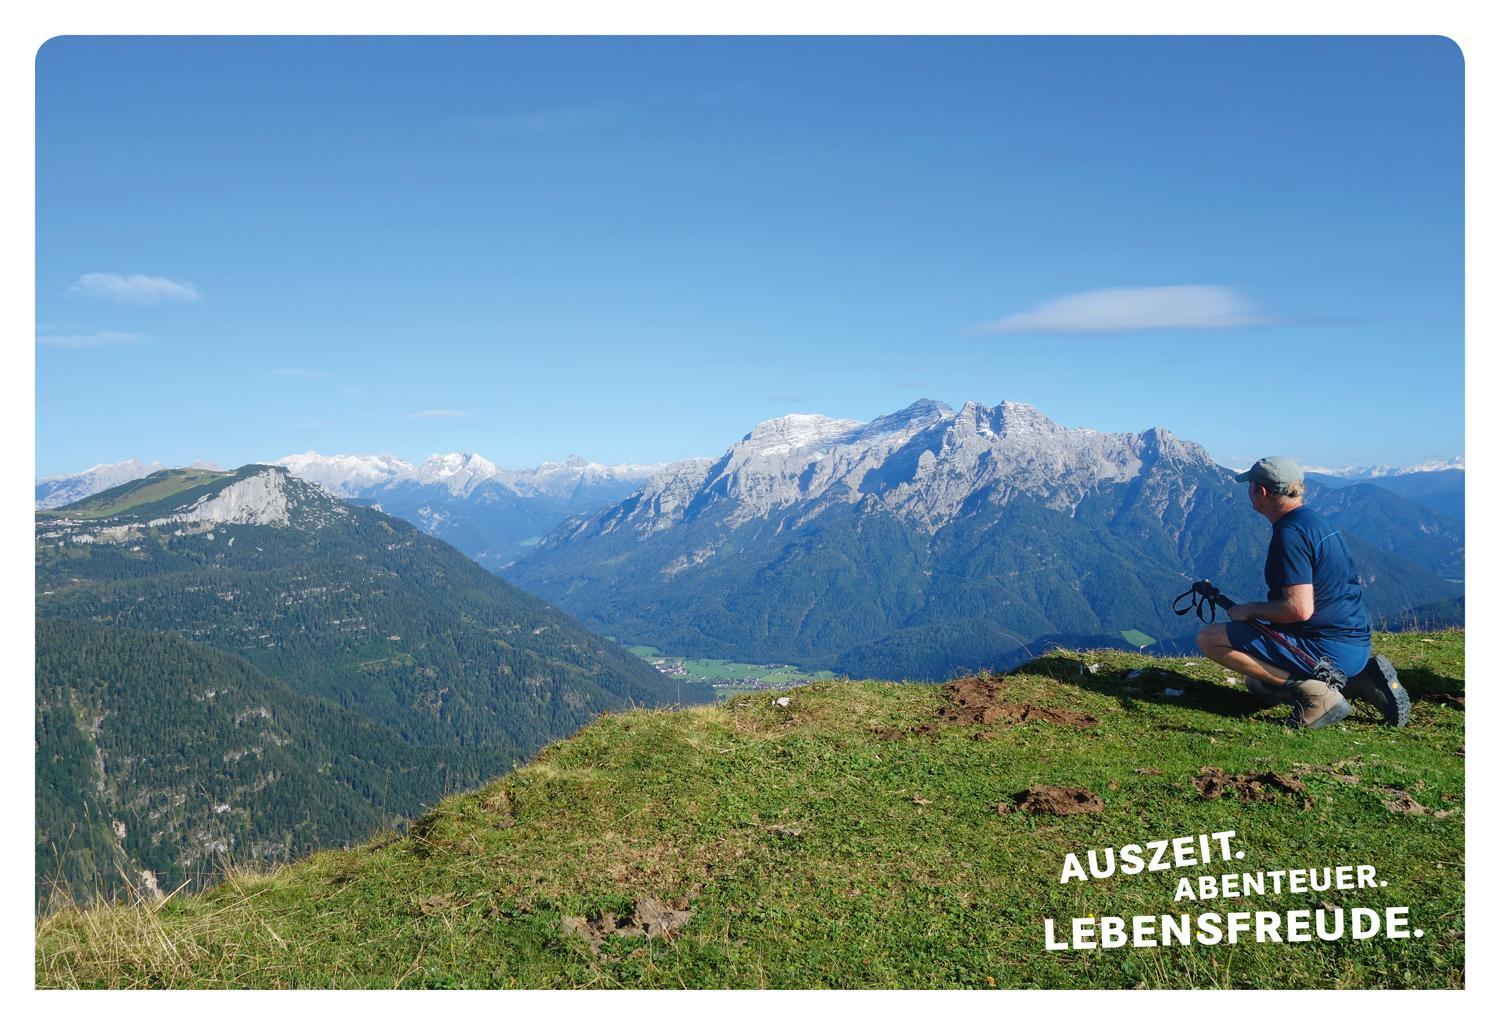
(1313, 596)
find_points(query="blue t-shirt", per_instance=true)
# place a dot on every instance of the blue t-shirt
(1307, 549)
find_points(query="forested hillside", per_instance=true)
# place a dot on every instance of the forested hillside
(158, 759)
(375, 636)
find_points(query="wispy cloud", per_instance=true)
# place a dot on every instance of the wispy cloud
(96, 340)
(299, 372)
(1137, 309)
(138, 289)
(436, 414)
(549, 122)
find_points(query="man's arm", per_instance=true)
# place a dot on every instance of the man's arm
(1294, 606)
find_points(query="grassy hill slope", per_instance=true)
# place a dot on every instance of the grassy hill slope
(852, 838)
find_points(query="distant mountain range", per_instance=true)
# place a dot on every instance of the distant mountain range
(495, 515)
(52, 492)
(247, 640)
(490, 514)
(931, 539)
(1440, 488)
(1374, 472)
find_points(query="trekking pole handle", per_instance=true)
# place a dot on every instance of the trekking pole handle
(1213, 594)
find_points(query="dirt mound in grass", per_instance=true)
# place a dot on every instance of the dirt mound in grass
(1049, 800)
(651, 918)
(1213, 782)
(978, 700)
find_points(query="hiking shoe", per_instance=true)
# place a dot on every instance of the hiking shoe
(1377, 684)
(1315, 705)
(1266, 696)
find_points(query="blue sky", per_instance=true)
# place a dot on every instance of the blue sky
(636, 249)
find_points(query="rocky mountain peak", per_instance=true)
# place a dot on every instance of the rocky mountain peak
(1016, 418)
(1165, 445)
(460, 472)
(796, 431)
(924, 463)
(920, 414)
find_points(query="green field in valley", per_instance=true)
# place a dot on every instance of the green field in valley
(724, 676)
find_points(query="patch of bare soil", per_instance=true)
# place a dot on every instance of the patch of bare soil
(1403, 803)
(651, 918)
(1048, 800)
(976, 700)
(1213, 782)
(1442, 698)
(1335, 771)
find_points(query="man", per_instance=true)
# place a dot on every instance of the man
(1314, 598)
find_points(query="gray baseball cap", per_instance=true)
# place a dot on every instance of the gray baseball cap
(1275, 472)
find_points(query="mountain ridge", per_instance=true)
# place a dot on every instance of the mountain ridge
(377, 630)
(812, 539)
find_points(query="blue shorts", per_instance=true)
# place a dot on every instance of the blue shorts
(1350, 658)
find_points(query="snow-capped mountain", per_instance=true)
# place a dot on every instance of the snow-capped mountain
(1438, 484)
(576, 476)
(489, 513)
(52, 492)
(932, 539)
(459, 474)
(65, 489)
(1376, 472)
(346, 475)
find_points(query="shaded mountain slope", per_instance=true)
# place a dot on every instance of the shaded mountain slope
(159, 759)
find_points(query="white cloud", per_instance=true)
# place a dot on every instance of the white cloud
(139, 289)
(96, 340)
(1137, 309)
(434, 414)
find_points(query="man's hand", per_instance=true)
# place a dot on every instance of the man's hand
(1242, 613)
(1295, 607)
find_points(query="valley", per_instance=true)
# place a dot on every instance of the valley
(725, 677)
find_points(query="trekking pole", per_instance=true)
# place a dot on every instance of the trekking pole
(1203, 593)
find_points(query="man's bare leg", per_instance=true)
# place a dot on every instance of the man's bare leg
(1213, 641)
